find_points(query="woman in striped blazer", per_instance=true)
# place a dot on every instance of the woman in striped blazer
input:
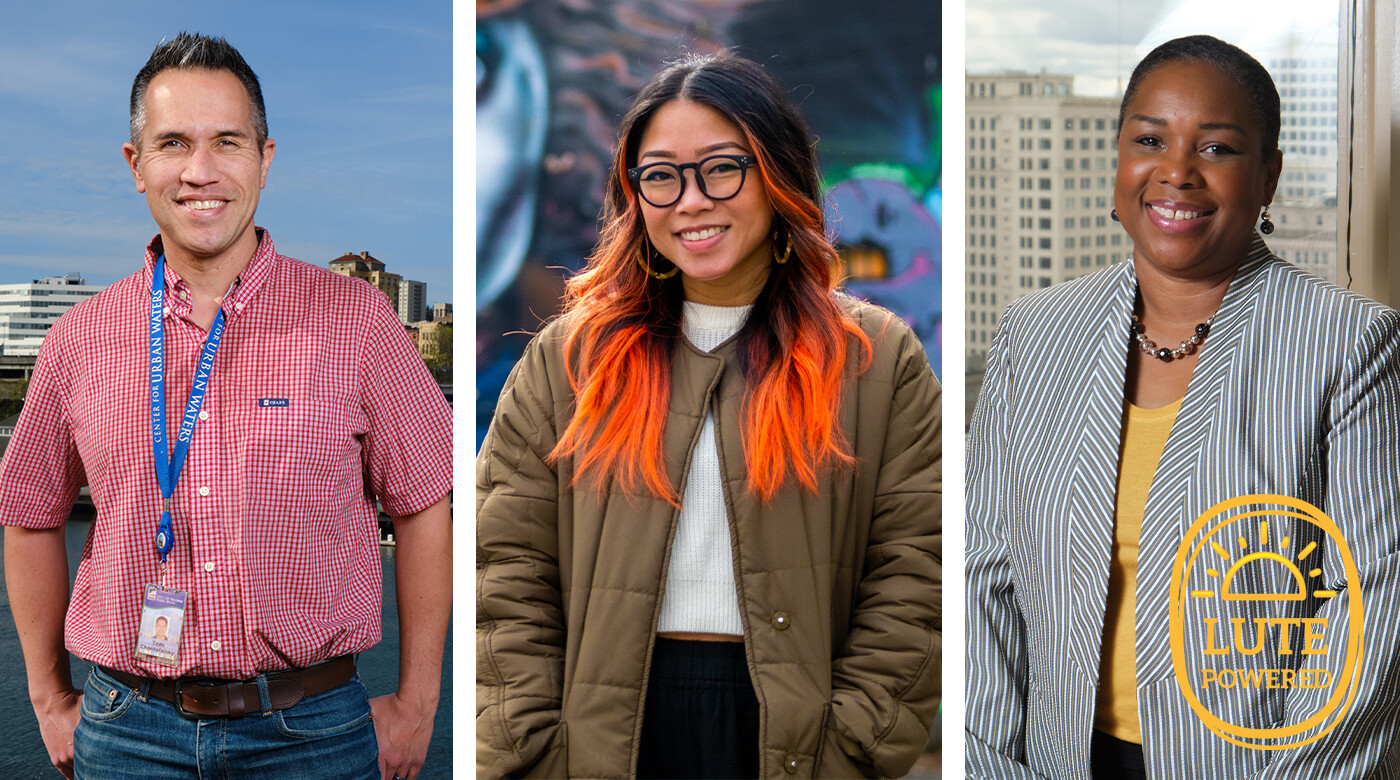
(1094, 450)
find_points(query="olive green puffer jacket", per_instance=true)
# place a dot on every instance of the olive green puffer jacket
(839, 591)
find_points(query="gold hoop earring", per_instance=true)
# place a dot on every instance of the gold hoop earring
(787, 251)
(643, 259)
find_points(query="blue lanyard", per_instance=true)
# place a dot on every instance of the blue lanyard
(168, 466)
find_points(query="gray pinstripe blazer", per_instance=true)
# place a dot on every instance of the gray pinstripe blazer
(1296, 392)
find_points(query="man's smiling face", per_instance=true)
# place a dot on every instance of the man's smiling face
(200, 164)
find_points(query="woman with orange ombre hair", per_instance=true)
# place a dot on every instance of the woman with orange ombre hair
(708, 518)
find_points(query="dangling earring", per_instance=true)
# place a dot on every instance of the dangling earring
(787, 251)
(1113, 215)
(1267, 226)
(643, 255)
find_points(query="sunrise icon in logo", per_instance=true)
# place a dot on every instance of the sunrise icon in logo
(1229, 594)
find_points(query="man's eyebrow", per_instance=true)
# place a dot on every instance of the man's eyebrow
(177, 135)
(1151, 120)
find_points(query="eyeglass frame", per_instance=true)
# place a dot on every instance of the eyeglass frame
(744, 161)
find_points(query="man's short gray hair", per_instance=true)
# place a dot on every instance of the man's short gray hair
(191, 51)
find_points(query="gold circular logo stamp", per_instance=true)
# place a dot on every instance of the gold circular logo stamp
(1265, 595)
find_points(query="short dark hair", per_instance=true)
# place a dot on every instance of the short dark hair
(1236, 63)
(191, 51)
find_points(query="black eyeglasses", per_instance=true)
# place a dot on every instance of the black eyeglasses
(720, 177)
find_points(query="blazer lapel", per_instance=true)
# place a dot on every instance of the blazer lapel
(1094, 478)
(1181, 487)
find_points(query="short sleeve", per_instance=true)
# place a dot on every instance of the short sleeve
(408, 449)
(41, 473)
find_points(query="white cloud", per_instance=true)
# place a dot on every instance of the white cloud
(1263, 29)
(1094, 40)
(1099, 41)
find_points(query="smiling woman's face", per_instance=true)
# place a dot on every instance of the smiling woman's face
(721, 246)
(1192, 174)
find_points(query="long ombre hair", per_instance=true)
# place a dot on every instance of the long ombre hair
(623, 324)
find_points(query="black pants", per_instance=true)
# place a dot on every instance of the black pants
(701, 718)
(1111, 758)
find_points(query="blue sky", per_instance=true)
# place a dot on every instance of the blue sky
(358, 97)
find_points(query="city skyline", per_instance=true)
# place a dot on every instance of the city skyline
(358, 100)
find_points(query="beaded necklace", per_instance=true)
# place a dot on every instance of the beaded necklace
(1165, 354)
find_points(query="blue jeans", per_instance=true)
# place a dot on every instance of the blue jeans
(125, 735)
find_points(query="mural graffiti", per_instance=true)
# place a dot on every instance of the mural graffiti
(554, 76)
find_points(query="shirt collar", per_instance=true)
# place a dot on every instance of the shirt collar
(240, 294)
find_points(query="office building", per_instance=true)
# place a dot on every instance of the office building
(1040, 168)
(1305, 203)
(371, 269)
(413, 305)
(28, 310)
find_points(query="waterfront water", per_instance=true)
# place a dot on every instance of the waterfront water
(22, 754)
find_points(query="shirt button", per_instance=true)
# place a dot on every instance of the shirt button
(166, 310)
(204, 490)
(238, 306)
(790, 764)
(215, 645)
(209, 566)
(203, 415)
(780, 621)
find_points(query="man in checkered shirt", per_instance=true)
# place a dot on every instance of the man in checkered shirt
(257, 543)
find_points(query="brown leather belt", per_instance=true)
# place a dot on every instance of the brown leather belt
(203, 697)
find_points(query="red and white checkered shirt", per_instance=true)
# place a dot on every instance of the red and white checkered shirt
(276, 539)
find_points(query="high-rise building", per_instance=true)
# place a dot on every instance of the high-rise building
(1040, 169)
(413, 301)
(371, 269)
(1308, 133)
(1305, 203)
(28, 310)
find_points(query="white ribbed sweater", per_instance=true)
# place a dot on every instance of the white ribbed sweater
(700, 596)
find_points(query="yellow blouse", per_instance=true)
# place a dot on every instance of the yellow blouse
(1144, 438)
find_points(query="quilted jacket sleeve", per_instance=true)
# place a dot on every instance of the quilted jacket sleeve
(886, 685)
(519, 617)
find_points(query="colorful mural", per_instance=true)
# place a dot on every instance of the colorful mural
(554, 77)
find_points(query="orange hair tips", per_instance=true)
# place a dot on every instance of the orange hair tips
(618, 348)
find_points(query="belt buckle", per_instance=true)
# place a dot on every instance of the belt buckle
(180, 698)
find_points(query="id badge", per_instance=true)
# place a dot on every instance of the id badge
(162, 621)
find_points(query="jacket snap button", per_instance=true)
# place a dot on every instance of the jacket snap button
(781, 621)
(790, 764)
